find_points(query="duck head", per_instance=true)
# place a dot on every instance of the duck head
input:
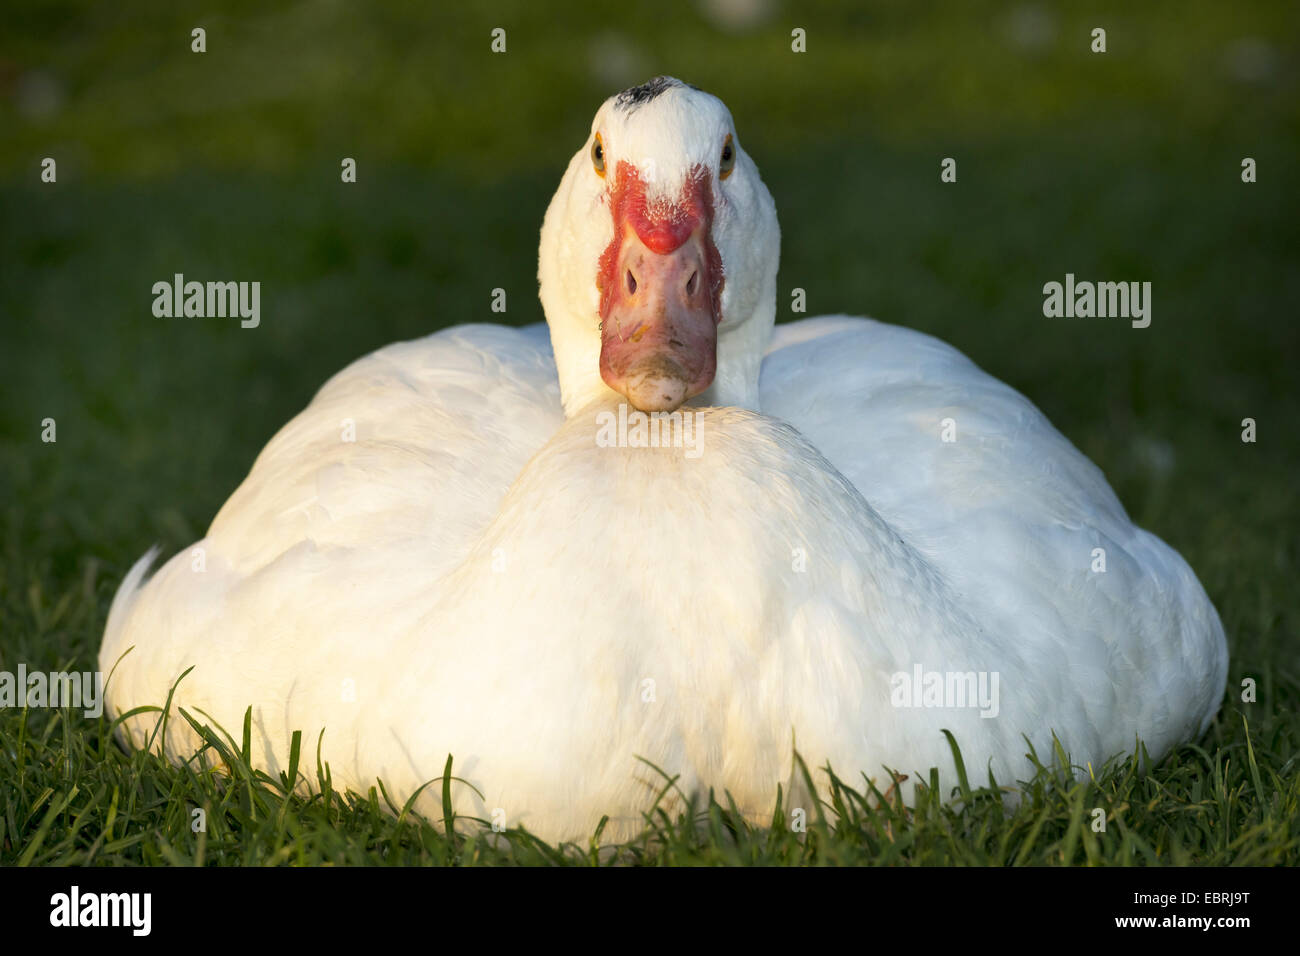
(659, 255)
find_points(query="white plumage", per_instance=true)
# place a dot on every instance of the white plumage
(475, 575)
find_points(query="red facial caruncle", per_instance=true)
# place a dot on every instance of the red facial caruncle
(660, 282)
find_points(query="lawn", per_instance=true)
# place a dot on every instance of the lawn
(1122, 165)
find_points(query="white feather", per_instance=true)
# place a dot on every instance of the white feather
(474, 575)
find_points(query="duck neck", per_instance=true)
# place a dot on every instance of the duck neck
(740, 356)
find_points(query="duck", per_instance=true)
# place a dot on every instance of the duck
(661, 535)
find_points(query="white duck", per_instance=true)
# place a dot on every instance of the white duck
(481, 573)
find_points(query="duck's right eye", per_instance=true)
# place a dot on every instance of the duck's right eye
(598, 156)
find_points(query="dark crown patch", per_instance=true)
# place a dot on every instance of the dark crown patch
(630, 99)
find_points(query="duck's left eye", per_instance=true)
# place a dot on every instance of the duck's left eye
(728, 162)
(598, 156)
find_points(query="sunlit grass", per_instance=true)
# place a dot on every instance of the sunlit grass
(78, 799)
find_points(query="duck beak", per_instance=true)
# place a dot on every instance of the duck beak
(661, 284)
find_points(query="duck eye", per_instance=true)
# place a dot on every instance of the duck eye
(598, 156)
(728, 162)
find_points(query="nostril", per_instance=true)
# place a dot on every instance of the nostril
(631, 283)
(693, 282)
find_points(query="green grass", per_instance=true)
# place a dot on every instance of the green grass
(1124, 167)
(80, 800)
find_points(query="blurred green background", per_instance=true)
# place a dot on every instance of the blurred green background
(225, 165)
